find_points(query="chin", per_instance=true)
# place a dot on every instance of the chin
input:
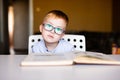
(51, 41)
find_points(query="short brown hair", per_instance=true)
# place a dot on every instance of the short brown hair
(59, 14)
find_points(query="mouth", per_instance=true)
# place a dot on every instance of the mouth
(50, 36)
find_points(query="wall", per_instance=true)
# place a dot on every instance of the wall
(21, 24)
(88, 15)
(116, 16)
(4, 40)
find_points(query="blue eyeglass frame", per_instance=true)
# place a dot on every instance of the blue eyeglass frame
(55, 28)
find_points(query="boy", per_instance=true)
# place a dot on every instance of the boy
(52, 30)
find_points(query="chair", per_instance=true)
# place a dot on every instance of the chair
(77, 40)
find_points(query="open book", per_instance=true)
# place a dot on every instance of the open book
(69, 59)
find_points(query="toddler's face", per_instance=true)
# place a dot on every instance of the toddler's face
(53, 29)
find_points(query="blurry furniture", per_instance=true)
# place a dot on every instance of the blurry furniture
(98, 41)
(115, 49)
(78, 41)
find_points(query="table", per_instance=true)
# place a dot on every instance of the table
(10, 69)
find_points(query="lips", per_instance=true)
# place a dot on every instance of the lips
(50, 36)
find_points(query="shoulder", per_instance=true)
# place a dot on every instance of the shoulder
(38, 45)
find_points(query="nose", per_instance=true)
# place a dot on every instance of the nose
(52, 31)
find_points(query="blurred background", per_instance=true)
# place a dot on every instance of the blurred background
(98, 20)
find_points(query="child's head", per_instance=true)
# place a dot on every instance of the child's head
(53, 26)
(57, 14)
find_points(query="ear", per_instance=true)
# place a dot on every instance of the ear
(41, 28)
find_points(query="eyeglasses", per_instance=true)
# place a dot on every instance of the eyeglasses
(57, 30)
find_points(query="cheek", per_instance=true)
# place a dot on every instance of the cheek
(57, 37)
(45, 32)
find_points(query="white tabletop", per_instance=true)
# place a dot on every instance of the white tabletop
(10, 69)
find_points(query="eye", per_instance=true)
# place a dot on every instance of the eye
(58, 30)
(48, 27)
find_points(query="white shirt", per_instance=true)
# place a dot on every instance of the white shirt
(62, 47)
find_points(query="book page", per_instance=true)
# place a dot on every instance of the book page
(94, 58)
(69, 59)
(37, 60)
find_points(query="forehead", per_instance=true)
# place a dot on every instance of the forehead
(55, 21)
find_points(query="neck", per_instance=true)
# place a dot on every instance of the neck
(51, 46)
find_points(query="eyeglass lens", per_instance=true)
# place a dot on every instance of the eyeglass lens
(50, 28)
